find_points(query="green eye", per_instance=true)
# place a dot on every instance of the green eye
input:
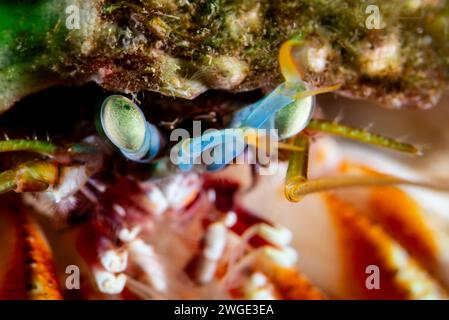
(123, 123)
(294, 117)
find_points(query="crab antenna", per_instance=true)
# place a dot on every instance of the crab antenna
(38, 146)
(7, 181)
(291, 71)
(361, 135)
(297, 186)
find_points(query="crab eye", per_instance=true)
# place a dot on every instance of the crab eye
(125, 126)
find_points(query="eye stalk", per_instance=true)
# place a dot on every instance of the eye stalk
(280, 110)
(124, 124)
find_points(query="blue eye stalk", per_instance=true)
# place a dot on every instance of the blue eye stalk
(288, 109)
(124, 124)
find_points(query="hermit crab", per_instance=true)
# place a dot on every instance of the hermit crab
(125, 199)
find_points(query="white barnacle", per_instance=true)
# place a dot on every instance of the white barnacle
(381, 59)
(173, 79)
(127, 235)
(215, 240)
(181, 190)
(157, 200)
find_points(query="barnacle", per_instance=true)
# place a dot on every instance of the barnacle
(151, 171)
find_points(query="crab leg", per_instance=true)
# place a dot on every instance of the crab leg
(37, 146)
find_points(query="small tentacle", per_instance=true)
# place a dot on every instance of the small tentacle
(361, 135)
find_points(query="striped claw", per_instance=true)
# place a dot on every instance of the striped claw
(40, 175)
